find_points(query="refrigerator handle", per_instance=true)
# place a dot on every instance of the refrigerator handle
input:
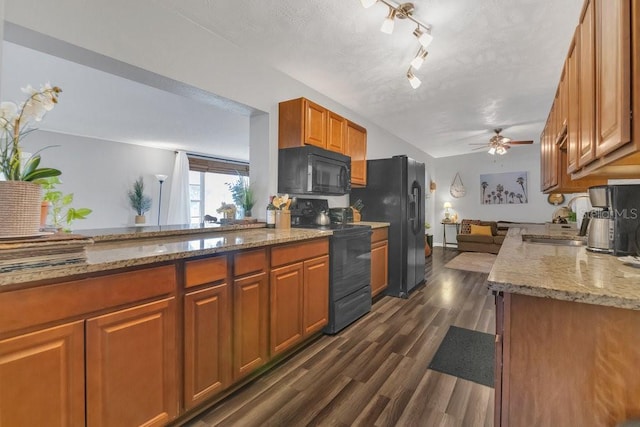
(416, 208)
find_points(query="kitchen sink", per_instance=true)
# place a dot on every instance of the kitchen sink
(553, 241)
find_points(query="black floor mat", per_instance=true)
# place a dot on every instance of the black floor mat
(466, 354)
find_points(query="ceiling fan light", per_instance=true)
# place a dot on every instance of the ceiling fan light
(413, 80)
(368, 3)
(417, 62)
(492, 150)
(387, 24)
(501, 150)
(423, 36)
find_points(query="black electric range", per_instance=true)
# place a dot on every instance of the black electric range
(349, 263)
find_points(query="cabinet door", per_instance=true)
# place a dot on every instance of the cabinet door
(207, 343)
(586, 82)
(286, 307)
(552, 154)
(573, 114)
(316, 294)
(336, 132)
(42, 378)
(250, 327)
(613, 75)
(357, 150)
(379, 267)
(315, 124)
(131, 366)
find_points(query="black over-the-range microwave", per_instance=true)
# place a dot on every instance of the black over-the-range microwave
(313, 170)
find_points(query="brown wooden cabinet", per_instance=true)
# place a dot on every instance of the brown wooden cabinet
(537, 383)
(42, 377)
(603, 72)
(131, 363)
(299, 292)
(357, 149)
(302, 122)
(207, 343)
(336, 132)
(250, 322)
(379, 260)
(612, 75)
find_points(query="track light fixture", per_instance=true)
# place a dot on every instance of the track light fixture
(387, 24)
(422, 32)
(368, 3)
(413, 80)
(417, 62)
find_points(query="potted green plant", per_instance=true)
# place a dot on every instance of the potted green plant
(242, 194)
(20, 191)
(61, 212)
(139, 201)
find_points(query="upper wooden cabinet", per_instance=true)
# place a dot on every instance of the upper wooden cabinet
(357, 150)
(603, 72)
(336, 132)
(302, 122)
(594, 96)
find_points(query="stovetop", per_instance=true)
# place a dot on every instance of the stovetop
(305, 211)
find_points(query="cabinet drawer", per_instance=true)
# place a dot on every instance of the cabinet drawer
(288, 254)
(35, 306)
(247, 262)
(380, 234)
(206, 270)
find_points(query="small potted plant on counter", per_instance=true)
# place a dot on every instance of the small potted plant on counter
(428, 240)
(139, 202)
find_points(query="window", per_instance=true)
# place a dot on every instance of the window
(208, 187)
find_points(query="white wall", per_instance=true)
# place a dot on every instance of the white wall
(99, 173)
(470, 167)
(146, 35)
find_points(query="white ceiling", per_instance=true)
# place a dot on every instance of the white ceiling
(493, 63)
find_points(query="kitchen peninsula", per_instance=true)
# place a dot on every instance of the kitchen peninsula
(567, 334)
(156, 323)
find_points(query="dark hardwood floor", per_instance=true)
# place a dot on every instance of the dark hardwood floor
(375, 373)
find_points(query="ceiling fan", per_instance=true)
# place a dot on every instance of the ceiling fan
(499, 144)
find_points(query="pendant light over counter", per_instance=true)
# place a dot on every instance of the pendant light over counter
(422, 33)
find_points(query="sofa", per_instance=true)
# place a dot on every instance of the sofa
(486, 237)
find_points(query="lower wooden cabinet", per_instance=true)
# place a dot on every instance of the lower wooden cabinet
(564, 363)
(379, 261)
(207, 343)
(286, 303)
(250, 324)
(42, 378)
(131, 366)
(315, 314)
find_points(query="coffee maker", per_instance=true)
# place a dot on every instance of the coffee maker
(625, 210)
(599, 222)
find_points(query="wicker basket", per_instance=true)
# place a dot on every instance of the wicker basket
(19, 208)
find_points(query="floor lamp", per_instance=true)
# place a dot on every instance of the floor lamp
(161, 178)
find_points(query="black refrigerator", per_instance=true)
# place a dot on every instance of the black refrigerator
(395, 194)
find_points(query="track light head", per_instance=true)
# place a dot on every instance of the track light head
(417, 62)
(387, 24)
(413, 80)
(368, 3)
(423, 36)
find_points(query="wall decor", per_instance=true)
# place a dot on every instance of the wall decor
(457, 189)
(504, 188)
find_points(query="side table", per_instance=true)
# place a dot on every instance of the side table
(444, 232)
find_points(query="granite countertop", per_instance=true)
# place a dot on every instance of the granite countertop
(146, 231)
(569, 273)
(110, 253)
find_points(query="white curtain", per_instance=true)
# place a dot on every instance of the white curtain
(179, 199)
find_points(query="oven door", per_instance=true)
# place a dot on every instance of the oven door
(328, 176)
(350, 257)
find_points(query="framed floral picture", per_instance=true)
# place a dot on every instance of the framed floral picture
(504, 188)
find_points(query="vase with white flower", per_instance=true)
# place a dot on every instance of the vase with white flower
(20, 191)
